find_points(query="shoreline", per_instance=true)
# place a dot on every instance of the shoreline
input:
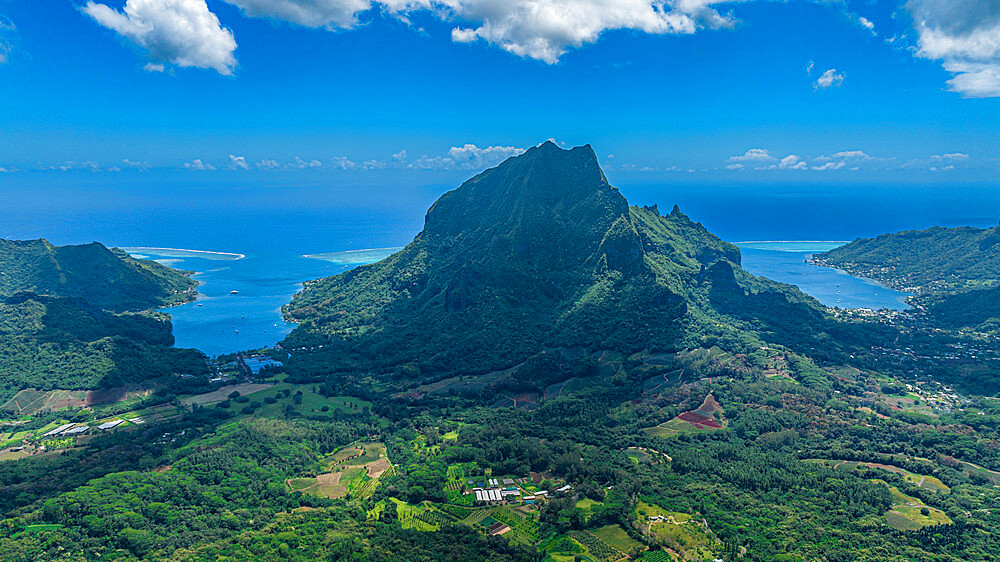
(152, 250)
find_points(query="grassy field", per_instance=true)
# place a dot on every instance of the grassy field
(682, 533)
(920, 480)
(673, 428)
(615, 536)
(312, 403)
(909, 513)
(223, 392)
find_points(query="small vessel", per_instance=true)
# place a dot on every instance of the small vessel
(234, 292)
(237, 331)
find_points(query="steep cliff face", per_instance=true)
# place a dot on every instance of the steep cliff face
(539, 251)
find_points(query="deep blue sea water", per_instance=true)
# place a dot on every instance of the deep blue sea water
(276, 227)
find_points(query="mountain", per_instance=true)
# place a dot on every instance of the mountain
(102, 277)
(936, 259)
(82, 317)
(542, 252)
(954, 271)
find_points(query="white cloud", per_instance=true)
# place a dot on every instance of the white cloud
(851, 154)
(736, 166)
(7, 29)
(238, 163)
(267, 164)
(399, 156)
(467, 157)
(538, 29)
(950, 156)
(830, 79)
(965, 36)
(790, 162)
(830, 166)
(198, 165)
(810, 67)
(753, 155)
(330, 14)
(183, 33)
(343, 163)
(867, 24)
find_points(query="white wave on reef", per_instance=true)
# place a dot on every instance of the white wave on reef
(144, 252)
(355, 257)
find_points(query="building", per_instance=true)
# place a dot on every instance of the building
(110, 424)
(58, 430)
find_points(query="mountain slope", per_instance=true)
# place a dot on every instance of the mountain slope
(81, 317)
(538, 252)
(105, 278)
(934, 259)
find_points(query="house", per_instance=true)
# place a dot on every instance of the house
(77, 430)
(564, 489)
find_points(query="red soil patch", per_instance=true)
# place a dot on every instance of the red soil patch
(698, 419)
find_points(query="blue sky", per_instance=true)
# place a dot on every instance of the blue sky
(239, 92)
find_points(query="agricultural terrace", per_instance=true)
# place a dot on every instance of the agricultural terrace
(707, 417)
(353, 471)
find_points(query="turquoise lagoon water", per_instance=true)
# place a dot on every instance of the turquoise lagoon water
(787, 262)
(221, 322)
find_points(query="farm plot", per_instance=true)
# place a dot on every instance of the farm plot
(523, 528)
(689, 538)
(707, 417)
(596, 548)
(355, 471)
(615, 536)
(909, 513)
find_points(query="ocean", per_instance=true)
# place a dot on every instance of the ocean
(274, 229)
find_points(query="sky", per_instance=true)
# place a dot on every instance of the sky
(224, 94)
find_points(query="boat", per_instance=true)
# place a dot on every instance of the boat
(234, 292)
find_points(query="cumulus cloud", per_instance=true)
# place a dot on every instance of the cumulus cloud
(866, 23)
(763, 159)
(753, 155)
(965, 36)
(851, 154)
(238, 162)
(329, 14)
(538, 29)
(343, 163)
(546, 29)
(183, 33)
(790, 162)
(829, 79)
(198, 165)
(467, 157)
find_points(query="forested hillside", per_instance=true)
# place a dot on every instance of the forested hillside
(542, 252)
(81, 317)
(935, 259)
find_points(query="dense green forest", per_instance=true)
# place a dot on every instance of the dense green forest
(81, 317)
(612, 371)
(954, 272)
